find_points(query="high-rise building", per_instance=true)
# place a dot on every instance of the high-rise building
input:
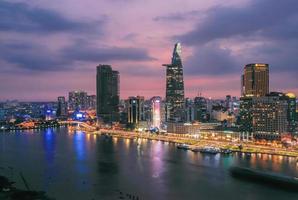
(135, 110)
(292, 118)
(189, 110)
(175, 87)
(91, 102)
(77, 100)
(255, 80)
(156, 111)
(266, 117)
(107, 93)
(200, 109)
(62, 107)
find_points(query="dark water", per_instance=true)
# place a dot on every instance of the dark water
(83, 166)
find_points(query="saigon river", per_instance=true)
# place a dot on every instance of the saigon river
(76, 165)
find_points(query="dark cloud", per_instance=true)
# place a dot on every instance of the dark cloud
(20, 17)
(36, 57)
(179, 16)
(211, 60)
(270, 28)
(31, 56)
(281, 55)
(83, 51)
(259, 18)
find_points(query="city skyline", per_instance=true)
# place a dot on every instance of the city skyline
(58, 48)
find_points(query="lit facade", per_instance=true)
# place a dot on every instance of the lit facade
(255, 80)
(175, 87)
(266, 117)
(156, 112)
(77, 100)
(91, 101)
(200, 109)
(62, 107)
(292, 116)
(135, 110)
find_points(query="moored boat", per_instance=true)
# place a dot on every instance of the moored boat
(210, 150)
(183, 146)
(196, 149)
(226, 151)
(278, 180)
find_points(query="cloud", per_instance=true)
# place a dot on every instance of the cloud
(19, 17)
(83, 51)
(178, 16)
(31, 56)
(37, 57)
(211, 60)
(258, 18)
(270, 30)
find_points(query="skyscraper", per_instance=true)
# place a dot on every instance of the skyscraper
(200, 109)
(77, 100)
(62, 107)
(156, 111)
(175, 87)
(107, 93)
(255, 80)
(292, 119)
(266, 117)
(135, 110)
(91, 101)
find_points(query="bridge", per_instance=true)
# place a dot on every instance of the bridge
(79, 124)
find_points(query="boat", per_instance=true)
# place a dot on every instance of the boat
(196, 149)
(183, 146)
(278, 180)
(210, 150)
(226, 151)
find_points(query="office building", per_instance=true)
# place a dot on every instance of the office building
(266, 117)
(77, 100)
(135, 111)
(255, 80)
(175, 87)
(62, 107)
(189, 110)
(91, 102)
(156, 111)
(200, 109)
(291, 115)
(107, 93)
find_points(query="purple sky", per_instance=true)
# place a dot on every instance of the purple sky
(48, 48)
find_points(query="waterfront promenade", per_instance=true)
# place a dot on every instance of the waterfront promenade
(247, 147)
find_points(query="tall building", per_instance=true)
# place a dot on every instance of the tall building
(135, 110)
(175, 87)
(91, 102)
(77, 100)
(189, 110)
(266, 117)
(62, 107)
(255, 80)
(107, 93)
(156, 111)
(292, 118)
(200, 109)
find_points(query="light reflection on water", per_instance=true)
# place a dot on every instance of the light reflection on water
(93, 166)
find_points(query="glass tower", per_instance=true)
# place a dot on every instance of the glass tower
(107, 93)
(255, 80)
(175, 87)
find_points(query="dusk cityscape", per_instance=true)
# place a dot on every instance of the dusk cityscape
(148, 100)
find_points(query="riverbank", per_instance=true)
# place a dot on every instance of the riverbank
(199, 143)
